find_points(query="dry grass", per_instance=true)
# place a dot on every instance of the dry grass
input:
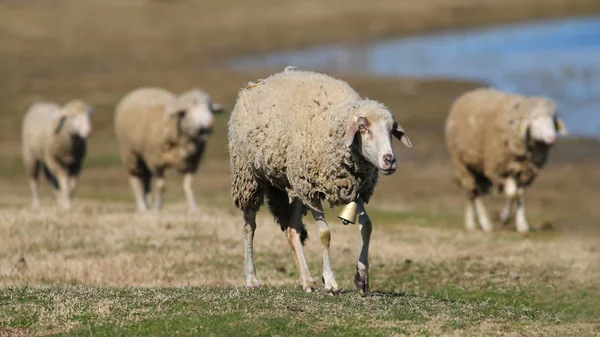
(101, 243)
(429, 276)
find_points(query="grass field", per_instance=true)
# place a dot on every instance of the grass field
(102, 269)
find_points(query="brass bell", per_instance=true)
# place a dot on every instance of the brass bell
(348, 213)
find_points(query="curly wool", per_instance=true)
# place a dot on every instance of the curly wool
(486, 137)
(287, 132)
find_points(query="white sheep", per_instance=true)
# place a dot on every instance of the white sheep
(54, 141)
(300, 137)
(501, 141)
(157, 130)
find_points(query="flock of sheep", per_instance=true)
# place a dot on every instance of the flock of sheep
(297, 138)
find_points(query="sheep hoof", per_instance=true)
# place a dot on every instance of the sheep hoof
(362, 284)
(252, 283)
(310, 287)
(332, 291)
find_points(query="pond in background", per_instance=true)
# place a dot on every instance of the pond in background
(558, 58)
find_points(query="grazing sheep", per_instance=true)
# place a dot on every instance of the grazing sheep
(54, 140)
(157, 130)
(499, 140)
(300, 137)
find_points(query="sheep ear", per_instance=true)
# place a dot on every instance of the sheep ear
(217, 108)
(560, 127)
(400, 134)
(351, 128)
(175, 110)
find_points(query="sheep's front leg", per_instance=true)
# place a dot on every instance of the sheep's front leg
(510, 190)
(64, 201)
(521, 220)
(137, 185)
(329, 282)
(470, 222)
(57, 172)
(294, 230)
(484, 220)
(249, 268)
(160, 187)
(188, 178)
(72, 185)
(35, 192)
(62, 194)
(361, 279)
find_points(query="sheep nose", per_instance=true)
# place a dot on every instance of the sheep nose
(550, 139)
(209, 122)
(388, 158)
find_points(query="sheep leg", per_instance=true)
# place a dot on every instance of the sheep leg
(484, 220)
(35, 192)
(249, 268)
(32, 167)
(521, 220)
(361, 278)
(188, 178)
(72, 185)
(329, 282)
(294, 231)
(510, 190)
(470, 222)
(137, 185)
(60, 180)
(64, 201)
(506, 212)
(160, 186)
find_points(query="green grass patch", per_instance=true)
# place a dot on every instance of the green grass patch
(215, 311)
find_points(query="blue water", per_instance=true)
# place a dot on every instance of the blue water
(558, 58)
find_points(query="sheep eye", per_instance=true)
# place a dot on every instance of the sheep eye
(362, 128)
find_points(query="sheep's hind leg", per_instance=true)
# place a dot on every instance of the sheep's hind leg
(521, 220)
(330, 285)
(361, 279)
(294, 234)
(249, 267)
(484, 220)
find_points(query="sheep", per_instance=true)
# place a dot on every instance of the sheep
(157, 130)
(54, 140)
(499, 142)
(299, 137)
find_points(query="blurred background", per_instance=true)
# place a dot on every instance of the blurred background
(414, 56)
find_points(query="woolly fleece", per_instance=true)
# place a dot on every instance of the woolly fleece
(286, 133)
(486, 135)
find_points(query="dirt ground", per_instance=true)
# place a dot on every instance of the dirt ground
(100, 50)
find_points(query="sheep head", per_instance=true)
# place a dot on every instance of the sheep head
(543, 125)
(76, 116)
(370, 127)
(196, 109)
